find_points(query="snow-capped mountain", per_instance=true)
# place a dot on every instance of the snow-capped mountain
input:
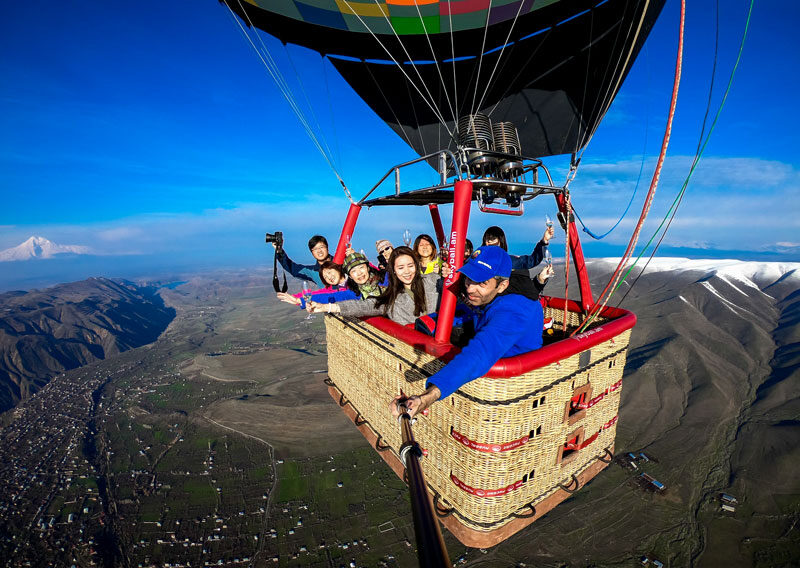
(39, 247)
(731, 269)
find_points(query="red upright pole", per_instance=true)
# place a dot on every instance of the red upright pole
(437, 224)
(458, 235)
(347, 232)
(587, 301)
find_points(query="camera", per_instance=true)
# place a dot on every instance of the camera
(276, 237)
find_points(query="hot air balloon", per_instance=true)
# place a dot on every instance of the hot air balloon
(482, 90)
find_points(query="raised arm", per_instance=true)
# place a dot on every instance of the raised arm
(528, 261)
(301, 271)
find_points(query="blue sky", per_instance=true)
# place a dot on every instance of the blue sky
(152, 128)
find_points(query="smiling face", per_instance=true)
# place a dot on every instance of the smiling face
(424, 249)
(405, 268)
(331, 276)
(360, 274)
(387, 252)
(482, 293)
(320, 252)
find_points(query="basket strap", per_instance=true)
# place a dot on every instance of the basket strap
(488, 448)
(599, 397)
(485, 492)
(380, 446)
(440, 511)
(606, 454)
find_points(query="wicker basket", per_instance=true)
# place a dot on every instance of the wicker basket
(500, 451)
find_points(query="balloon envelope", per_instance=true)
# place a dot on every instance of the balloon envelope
(552, 68)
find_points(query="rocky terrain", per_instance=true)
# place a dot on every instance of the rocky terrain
(710, 393)
(44, 332)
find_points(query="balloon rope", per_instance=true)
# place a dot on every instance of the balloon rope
(391, 108)
(308, 102)
(431, 103)
(330, 110)
(533, 54)
(677, 201)
(272, 68)
(453, 57)
(619, 72)
(568, 208)
(641, 169)
(436, 62)
(472, 109)
(499, 57)
(653, 184)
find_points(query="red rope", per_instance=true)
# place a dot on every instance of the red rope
(653, 183)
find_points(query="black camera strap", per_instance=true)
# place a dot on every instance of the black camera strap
(275, 282)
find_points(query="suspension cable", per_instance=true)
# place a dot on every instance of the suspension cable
(499, 57)
(330, 109)
(436, 63)
(598, 307)
(431, 103)
(480, 64)
(453, 57)
(272, 69)
(521, 67)
(308, 102)
(679, 198)
(616, 75)
(638, 178)
(390, 107)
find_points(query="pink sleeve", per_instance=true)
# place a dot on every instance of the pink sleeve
(326, 290)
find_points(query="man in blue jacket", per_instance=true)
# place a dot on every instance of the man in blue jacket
(505, 325)
(318, 245)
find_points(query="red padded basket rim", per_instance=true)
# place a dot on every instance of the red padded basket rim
(619, 321)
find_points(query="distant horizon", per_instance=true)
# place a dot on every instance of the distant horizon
(25, 275)
(132, 140)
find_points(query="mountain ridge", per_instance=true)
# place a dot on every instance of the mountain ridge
(44, 332)
(710, 394)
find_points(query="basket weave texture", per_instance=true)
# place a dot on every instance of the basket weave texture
(527, 418)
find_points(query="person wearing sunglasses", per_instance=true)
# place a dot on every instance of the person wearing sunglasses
(384, 248)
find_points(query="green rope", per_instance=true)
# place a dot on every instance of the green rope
(700, 153)
(708, 137)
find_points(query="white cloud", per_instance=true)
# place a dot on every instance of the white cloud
(119, 234)
(730, 203)
(725, 217)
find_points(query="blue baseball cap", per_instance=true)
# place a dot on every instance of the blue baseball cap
(487, 262)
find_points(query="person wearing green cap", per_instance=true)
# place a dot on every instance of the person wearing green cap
(408, 294)
(363, 279)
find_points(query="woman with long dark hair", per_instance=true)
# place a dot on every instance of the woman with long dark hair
(409, 294)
